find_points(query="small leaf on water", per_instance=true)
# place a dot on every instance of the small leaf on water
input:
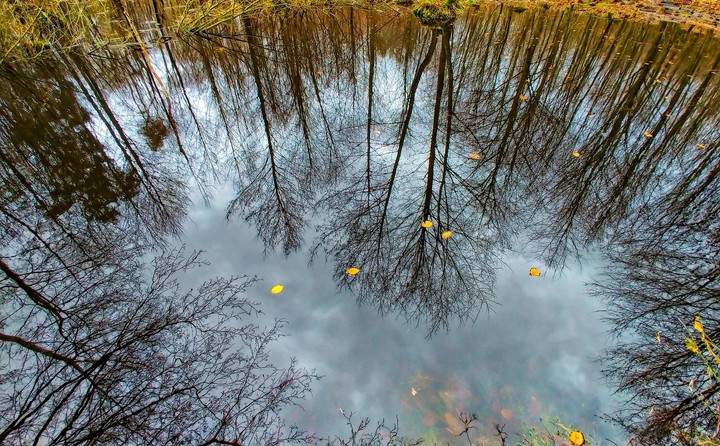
(376, 132)
(413, 391)
(659, 338)
(668, 114)
(577, 438)
(648, 135)
(523, 97)
(691, 385)
(576, 154)
(702, 146)
(534, 272)
(277, 289)
(352, 271)
(691, 345)
(447, 234)
(506, 413)
(427, 224)
(475, 156)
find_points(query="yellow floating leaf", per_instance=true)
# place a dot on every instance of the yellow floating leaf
(352, 271)
(376, 132)
(659, 81)
(534, 272)
(576, 154)
(691, 385)
(659, 338)
(648, 135)
(668, 114)
(413, 391)
(702, 146)
(475, 156)
(523, 97)
(277, 289)
(691, 345)
(447, 234)
(577, 438)
(698, 325)
(427, 224)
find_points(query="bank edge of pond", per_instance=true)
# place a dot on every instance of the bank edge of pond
(30, 29)
(702, 15)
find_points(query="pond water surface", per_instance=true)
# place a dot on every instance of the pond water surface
(296, 147)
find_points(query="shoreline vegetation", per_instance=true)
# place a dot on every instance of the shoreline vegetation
(28, 29)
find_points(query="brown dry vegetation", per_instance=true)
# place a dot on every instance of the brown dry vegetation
(30, 27)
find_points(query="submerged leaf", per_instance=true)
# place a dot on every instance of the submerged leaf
(277, 289)
(427, 224)
(534, 272)
(352, 271)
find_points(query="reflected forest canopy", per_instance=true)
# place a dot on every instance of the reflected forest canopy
(341, 132)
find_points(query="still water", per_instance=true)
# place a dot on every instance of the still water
(295, 147)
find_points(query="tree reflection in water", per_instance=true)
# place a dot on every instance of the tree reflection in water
(362, 125)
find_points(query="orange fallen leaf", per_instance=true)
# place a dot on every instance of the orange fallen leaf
(277, 289)
(577, 438)
(447, 234)
(534, 272)
(352, 271)
(648, 135)
(523, 97)
(576, 154)
(427, 224)
(475, 156)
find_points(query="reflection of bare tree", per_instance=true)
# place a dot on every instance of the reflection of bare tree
(104, 354)
(407, 268)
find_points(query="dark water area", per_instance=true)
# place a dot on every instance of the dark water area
(294, 147)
